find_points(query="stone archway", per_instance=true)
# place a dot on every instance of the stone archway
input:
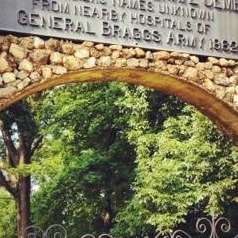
(30, 64)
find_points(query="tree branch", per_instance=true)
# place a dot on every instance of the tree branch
(4, 183)
(11, 149)
(36, 144)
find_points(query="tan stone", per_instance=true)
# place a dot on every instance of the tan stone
(46, 72)
(235, 100)
(99, 47)
(140, 52)
(209, 74)
(236, 90)
(200, 66)
(216, 69)
(161, 64)
(105, 61)
(88, 44)
(115, 54)
(220, 92)
(95, 53)
(71, 63)
(35, 76)
(56, 58)
(235, 70)
(221, 79)
(149, 55)
(132, 63)
(40, 56)
(121, 62)
(68, 48)
(59, 70)
(90, 63)
(17, 51)
(208, 84)
(178, 55)
(161, 55)
(38, 43)
(189, 63)
(23, 84)
(82, 53)
(26, 65)
(52, 44)
(229, 94)
(191, 73)
(229, 72)
(179, 61)
(4, 92)
(4, 65)
(173, 69)
(107, 51)
(22, 75)
(234, 79)
(231, 63)
(223, 62)
(208, 65)
(195, 59)
(8, 77)
(143, 63)
(213, 60)
(27, 43)
(116, 47)
(130, 53)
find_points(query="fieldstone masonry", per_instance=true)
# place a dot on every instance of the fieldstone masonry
(28, 60)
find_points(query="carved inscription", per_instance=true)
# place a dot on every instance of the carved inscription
(205, 27)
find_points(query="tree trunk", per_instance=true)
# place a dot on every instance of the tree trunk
(23, 205)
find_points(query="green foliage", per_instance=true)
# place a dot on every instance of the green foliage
(85, 129)
(7, 215)
(184, 167)
(126, 160)
(130, 161)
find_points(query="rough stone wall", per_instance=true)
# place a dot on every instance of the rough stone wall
(28, 60)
